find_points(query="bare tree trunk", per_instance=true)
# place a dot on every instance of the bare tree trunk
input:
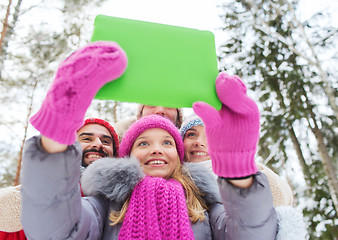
(328, 89)
(115, 111)
(328, 164)
(8, 34)
(18, 171)
(288, 180)
(5, 25)
(301, 159)
(295, 143)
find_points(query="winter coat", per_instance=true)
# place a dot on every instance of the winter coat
(52, 207)
(280, 189)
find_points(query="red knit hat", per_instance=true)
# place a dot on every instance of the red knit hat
(110, 128)
(148, 122)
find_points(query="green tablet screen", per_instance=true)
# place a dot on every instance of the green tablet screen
(167, 65)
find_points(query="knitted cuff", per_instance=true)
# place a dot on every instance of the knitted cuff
(233, 164)
(56, 126)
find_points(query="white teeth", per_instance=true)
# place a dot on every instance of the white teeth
(199, 153)
(94, 156)
(154, 162)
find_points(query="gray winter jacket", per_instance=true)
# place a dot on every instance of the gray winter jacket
(52, 207)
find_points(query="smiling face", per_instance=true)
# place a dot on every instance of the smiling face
(156, 150)
(96, 142)
(195, 145)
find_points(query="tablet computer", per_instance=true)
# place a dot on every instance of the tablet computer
(168, 65)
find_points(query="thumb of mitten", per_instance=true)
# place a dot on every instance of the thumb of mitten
(207, 113)
(231, 91)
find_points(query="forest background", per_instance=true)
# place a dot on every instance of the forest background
(284, 50)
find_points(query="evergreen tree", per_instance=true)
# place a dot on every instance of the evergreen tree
(268, 46)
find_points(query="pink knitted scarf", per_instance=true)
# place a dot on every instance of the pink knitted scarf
(157, 210)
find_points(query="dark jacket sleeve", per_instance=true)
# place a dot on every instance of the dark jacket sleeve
(52, 207)
(249, 213)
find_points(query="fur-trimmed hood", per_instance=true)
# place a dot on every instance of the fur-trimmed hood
(205, 182)
(115, 179)
(112, 178)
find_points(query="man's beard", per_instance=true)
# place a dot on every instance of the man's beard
(92, 150)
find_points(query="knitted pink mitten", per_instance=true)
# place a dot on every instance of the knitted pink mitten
(76, 82)
(233, 132)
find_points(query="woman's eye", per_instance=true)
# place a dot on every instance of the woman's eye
(167, 142)
(191, 134)
(86, 139)
(143, 144)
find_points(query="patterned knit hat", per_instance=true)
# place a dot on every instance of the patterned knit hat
(157, 210)
(192, 121)
(110, 129)
(148, 122)
(179, 118)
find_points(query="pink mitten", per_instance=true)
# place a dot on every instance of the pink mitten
(233, 132)
(76, 82)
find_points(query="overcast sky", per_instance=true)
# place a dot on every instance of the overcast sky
(199, 14)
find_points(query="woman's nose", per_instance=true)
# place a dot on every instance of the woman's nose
(200, 142)
(160, 111)
(156, 150)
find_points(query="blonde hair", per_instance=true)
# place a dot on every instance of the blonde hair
(194, 198)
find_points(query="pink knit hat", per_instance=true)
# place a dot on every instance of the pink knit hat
(148, 122)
